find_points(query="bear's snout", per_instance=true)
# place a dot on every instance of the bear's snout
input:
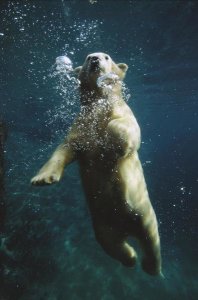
(94, 58)
(94, 63)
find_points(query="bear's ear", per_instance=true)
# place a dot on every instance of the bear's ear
(123, 67)
(77, 70)
(122, 70)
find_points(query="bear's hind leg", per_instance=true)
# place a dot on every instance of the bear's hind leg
(150, 242)
(115, 246)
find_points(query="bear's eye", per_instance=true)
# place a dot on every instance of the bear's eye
(106, 57)
(89, 57)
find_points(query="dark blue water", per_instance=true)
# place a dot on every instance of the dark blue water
(48, 250)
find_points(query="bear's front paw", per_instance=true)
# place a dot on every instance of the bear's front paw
(45, 179)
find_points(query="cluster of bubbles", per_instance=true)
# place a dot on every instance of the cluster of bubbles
(65, 83)
(66, 87)
(87, 32)
(92, 1)
(126, 92)
(18, 15)
(63, 64)
(97, 118)
(107, 82)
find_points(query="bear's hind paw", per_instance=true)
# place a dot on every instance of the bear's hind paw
(130, 262)
(151, 267)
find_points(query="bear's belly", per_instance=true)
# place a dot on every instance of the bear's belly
(115, 190)
(101, 184)
(107, 201)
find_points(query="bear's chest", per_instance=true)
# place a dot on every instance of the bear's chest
(92, 132)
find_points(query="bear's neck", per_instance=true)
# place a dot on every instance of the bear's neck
(90, 96)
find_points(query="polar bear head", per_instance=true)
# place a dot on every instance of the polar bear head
(96, 65)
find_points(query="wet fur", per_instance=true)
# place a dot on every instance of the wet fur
(104, 139)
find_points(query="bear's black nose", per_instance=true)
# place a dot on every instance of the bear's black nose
(94, 58)
(94, 63)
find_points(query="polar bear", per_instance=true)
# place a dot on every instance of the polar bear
(105, 139)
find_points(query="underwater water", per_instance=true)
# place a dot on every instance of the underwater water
(47, 246)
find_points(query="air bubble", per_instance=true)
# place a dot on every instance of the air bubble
(63, 63)
(107, 80)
